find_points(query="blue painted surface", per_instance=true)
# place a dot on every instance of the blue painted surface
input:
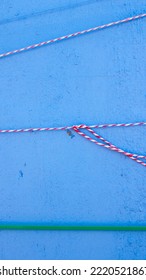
(49, 177)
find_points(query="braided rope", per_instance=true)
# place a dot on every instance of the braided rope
(116, 148)
(111, 147)
(73, 35)
(71, 127)
(106, 144)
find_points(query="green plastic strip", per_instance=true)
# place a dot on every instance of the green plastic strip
(73, 227)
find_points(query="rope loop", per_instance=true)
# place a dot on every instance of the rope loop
(79, 126)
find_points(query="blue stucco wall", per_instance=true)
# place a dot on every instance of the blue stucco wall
(49, 177)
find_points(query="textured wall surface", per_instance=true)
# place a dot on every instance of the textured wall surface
(49, 177)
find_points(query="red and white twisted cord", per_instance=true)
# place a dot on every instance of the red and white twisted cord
(76, 128)
(113, 147)
(106, 144)
(73, 35)
(110, 146)
(71, 127)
